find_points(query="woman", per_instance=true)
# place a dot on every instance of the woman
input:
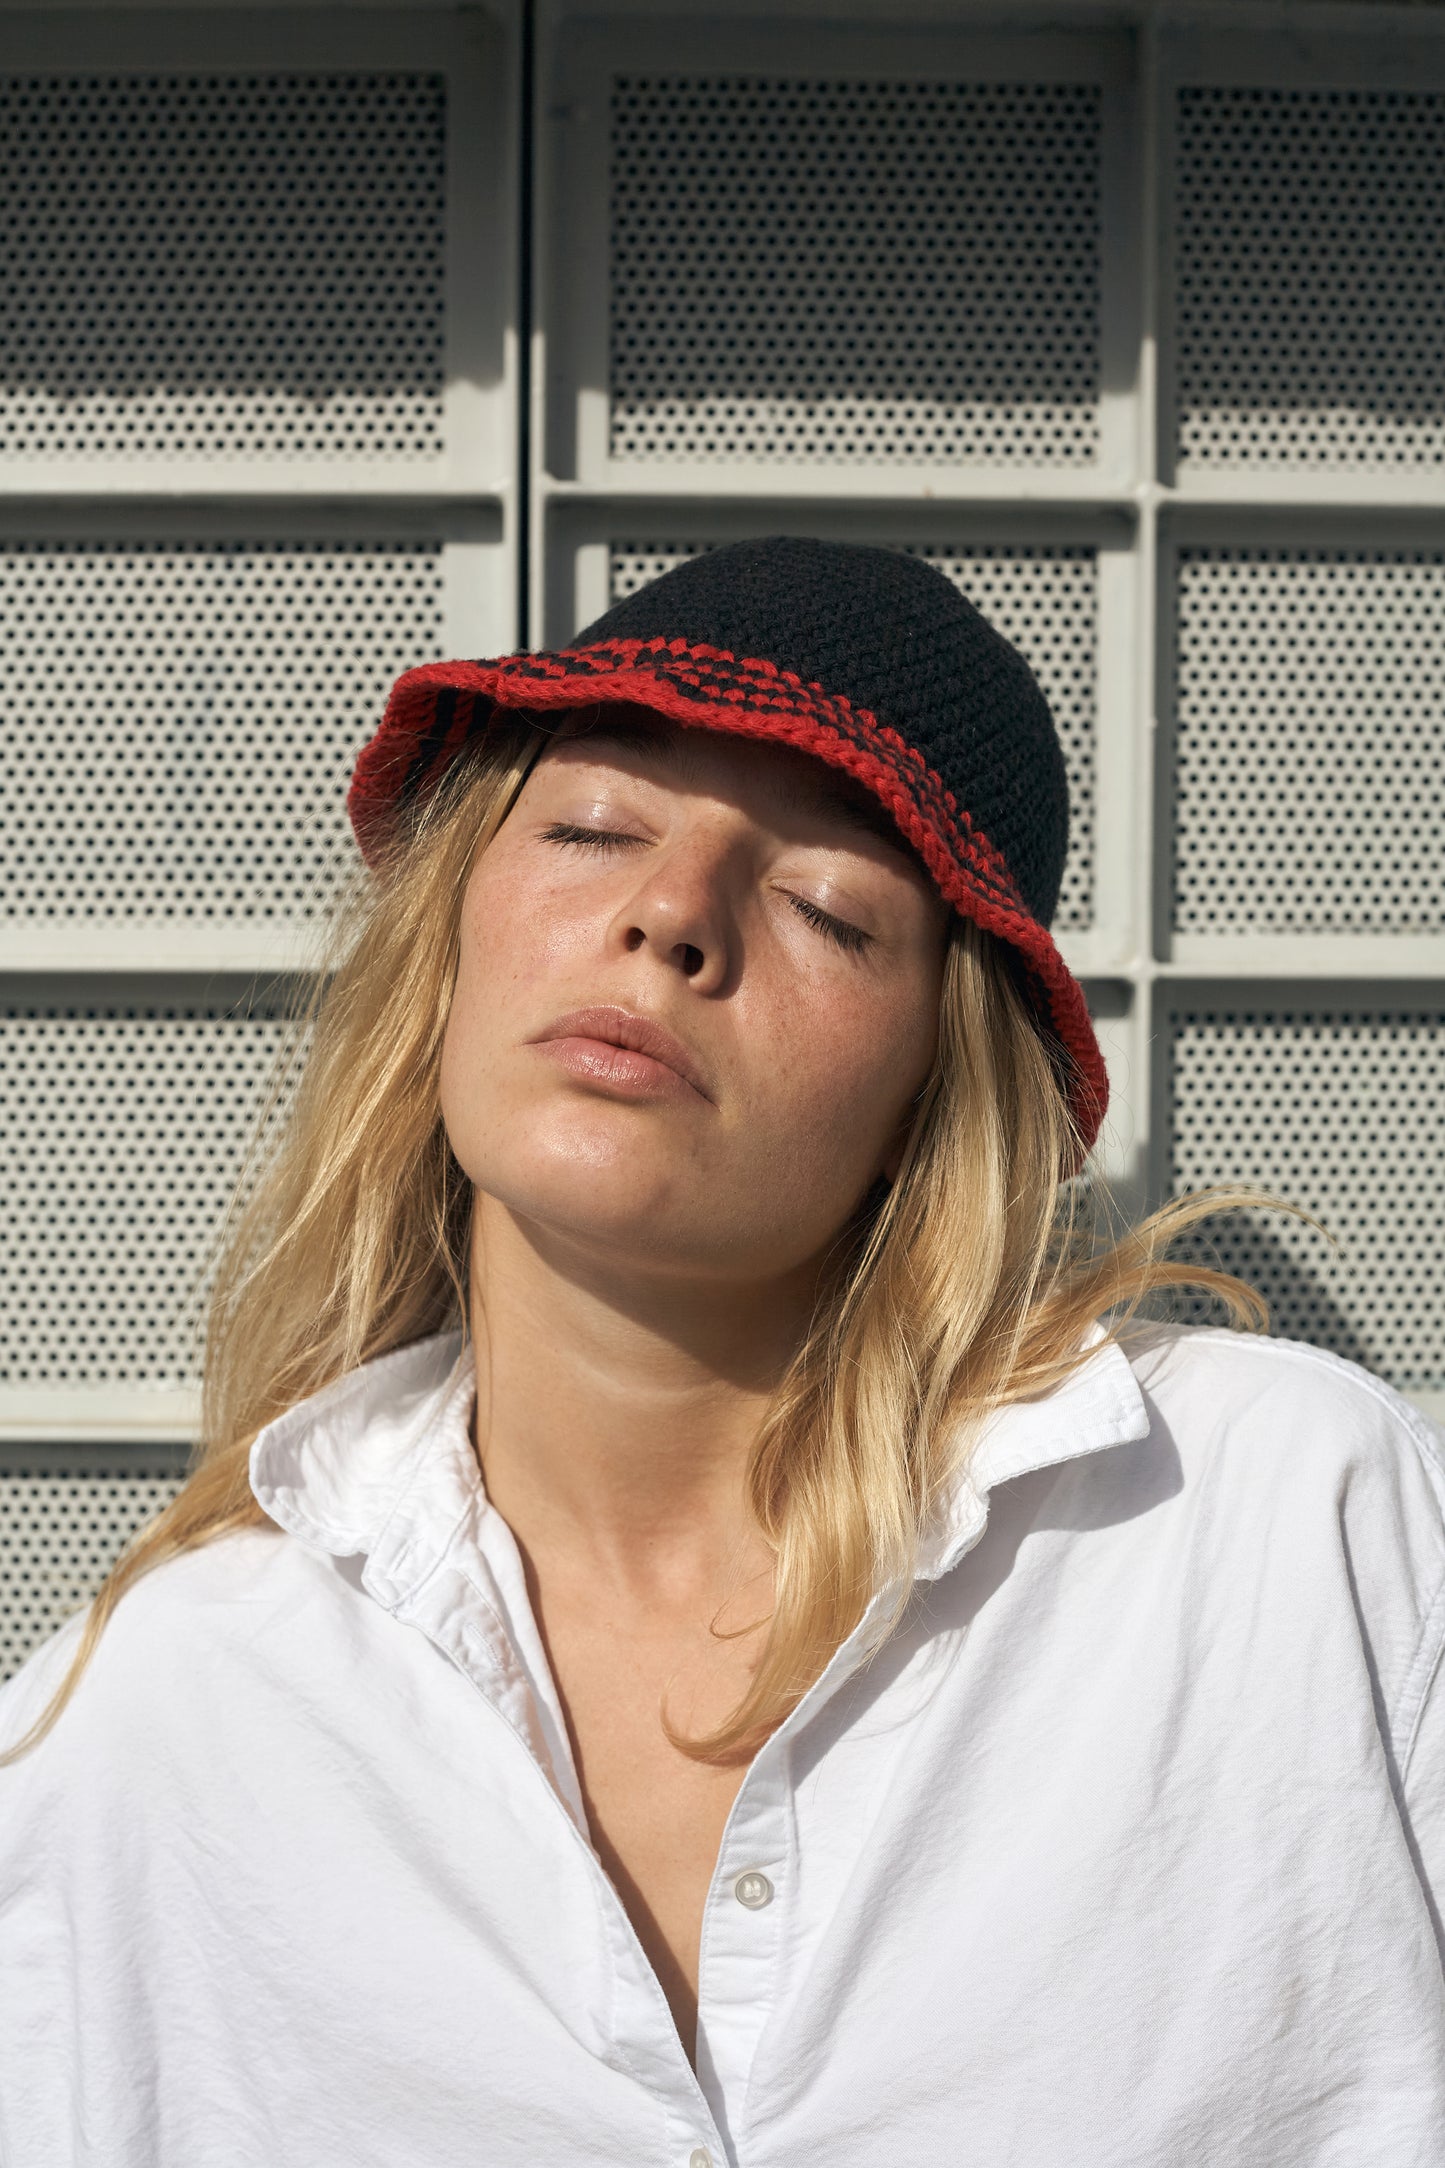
(706, 1627)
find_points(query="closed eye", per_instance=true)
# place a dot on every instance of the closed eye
(573, 832)
(837, 929)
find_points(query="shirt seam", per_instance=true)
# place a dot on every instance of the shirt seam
(444, 1558)
(611, 1916)
(1404, 1720)
(1392, 1402)
(1424, 1669)
(620, 2054)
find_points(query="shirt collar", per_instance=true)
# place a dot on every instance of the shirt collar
(380, 1463)
(1098, 1405)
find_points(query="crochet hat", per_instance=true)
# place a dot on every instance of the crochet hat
(869, 659)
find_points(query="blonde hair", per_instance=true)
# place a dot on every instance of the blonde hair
(968, 1284)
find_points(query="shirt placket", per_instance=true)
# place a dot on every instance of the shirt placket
(752, 1903)
(451, 1609)
(749, 1908)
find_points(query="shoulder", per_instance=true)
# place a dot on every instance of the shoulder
(1288, 1406)
(1300, 1472)
(180, 1641)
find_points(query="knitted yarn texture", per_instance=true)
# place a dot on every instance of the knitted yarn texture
(867, 658)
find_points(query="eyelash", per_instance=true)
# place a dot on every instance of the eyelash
(851, 938)
(848, 937)
(570, 832)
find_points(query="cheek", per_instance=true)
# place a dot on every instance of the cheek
(520, 941)
(510, 926)
(842, 1072)
(496, 957)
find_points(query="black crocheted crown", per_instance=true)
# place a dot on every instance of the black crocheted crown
(868, 658)
(898, 641)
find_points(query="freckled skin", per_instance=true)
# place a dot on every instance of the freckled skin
(813, 1052)
(642, 1269)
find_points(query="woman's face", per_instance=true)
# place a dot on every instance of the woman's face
(742, 901)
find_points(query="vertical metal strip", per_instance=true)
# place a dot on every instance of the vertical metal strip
(526, 242)
(1150, 1115)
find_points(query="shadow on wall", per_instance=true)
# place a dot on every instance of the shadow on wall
(264, 250)
(1302, 1305)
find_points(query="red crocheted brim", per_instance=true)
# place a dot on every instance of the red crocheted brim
(435, 710)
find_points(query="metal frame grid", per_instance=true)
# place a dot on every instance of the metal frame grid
(521, 500)
(319, 263)
(209, 558)
(1142, 507)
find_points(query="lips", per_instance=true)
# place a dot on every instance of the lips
(634, 1034)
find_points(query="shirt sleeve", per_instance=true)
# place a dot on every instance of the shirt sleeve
(1424, 1776)
(1423, 1770)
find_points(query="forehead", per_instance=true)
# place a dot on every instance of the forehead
(674, 753)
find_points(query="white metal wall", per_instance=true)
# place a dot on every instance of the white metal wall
(1133, 325)
(258, 452)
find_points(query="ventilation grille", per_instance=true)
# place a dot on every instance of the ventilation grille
(1340, 1112)
(227, 265)
(855, 270)
(1311, 277)
(1044, 598)
(122, 1131)
(65, 1514)
(1310, 757)
(178, 724)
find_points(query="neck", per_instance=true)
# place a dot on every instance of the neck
(616, 1409)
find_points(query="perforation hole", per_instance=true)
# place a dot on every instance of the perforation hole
(230, 265)
(1043, 597)
(1310, 762)
(178, 723)
(865, 271)
(1340, 1112)
(1311, 277)
(122, 1134)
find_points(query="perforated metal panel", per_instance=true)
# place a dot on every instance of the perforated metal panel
(122, 1130)
(1044, 597)
(1310, 754)
(234, 264)
(634, 565)
(1311, 276)
(1340, 1110)
(178, 724)
(860, 270)
(65, 1514)
(865, 251)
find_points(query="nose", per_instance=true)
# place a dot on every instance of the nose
(681, 909)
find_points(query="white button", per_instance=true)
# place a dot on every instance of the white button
(699, 2157)
(753, 1890)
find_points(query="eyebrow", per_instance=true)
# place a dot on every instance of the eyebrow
(674, 750)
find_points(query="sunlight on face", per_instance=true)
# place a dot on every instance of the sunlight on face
(771, 960)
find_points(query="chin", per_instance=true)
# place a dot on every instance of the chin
(590, 1179)
(613, 1178)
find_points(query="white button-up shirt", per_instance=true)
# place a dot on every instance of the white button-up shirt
(1127, 1851)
